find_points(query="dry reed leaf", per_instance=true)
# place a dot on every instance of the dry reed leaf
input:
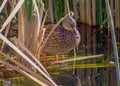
(21, 66)
(3, 4)
(26, 58)
(39, 20)
(18, 6)
(8, 26)
(22, 72)
(22, 46)
(40, 37)
(68, 8)
(80, 58)
(15, 10)
(6, 33)
(41, 14)
(41, 34)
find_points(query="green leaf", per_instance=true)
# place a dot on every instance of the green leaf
(28, 8)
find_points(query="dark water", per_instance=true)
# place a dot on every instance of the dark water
(62, 80)
(19, 81)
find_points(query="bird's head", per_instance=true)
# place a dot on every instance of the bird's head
(69, 24)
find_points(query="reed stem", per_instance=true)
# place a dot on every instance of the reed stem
(113, 42)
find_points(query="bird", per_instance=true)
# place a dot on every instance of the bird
(63, 39)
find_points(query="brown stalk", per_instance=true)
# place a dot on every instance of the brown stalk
(16, 69)
(8, 26)
(22, 46)
(22, 67)
(42, 27)
(80, 58)
(26, 58)
(41, 33)
(6, 33)
(68, 8)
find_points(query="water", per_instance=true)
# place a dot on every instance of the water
(19, 81)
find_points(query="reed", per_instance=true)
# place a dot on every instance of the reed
(15, 10)
(80, 58)
(3, 4)
(26, 71)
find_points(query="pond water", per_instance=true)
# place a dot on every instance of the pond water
(19, 81)
(62, 80)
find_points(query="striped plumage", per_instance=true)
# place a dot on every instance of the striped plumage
(64, 38)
